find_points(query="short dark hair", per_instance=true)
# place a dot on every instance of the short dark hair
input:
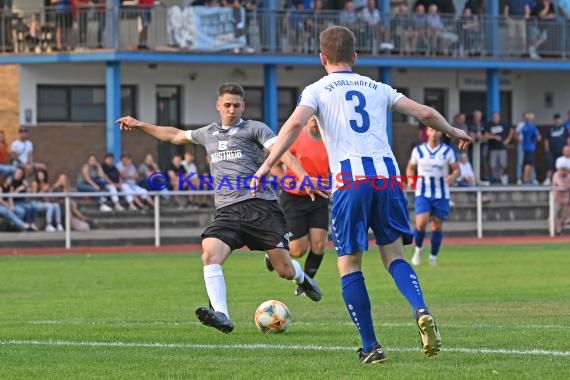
(337, 44)
(231, 88)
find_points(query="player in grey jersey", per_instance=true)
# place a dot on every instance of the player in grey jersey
(236, 149)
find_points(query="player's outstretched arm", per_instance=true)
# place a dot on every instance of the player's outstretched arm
(313, 188)
(432, 118)
(287, 136)
(168, 134)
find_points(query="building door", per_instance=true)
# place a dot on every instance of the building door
(470, 101)
(167, 113)
(436, 98)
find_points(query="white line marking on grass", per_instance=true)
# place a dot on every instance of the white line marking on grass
(306, 347)
(348, 323)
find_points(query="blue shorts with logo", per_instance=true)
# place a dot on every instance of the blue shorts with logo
(438, 207)
(363, 206)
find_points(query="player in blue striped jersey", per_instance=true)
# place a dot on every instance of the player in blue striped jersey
(351, 113)
(433, 161)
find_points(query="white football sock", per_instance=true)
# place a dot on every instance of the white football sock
(299, 274)
(216, 287)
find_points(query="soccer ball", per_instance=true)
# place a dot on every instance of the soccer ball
(272, 316)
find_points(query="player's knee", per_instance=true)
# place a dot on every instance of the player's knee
(318, 247)
(211, 257)
(297, 252)
(285, 270)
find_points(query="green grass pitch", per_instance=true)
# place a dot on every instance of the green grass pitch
(503, 312)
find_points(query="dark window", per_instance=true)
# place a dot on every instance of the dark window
(79, 103)
(286, 103)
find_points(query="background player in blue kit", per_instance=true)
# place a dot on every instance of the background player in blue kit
(351, 113)
(432, 160)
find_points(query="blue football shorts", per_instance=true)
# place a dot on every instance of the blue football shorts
(437, 207)
(361, 206)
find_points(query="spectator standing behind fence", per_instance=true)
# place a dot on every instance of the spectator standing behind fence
(557, 137)
(316, 23)
(520, 151)
(435, 29)
(563, 7)
(63, 24)
(34, 29)
(469, 33)
(542, 19)
(516, 13)
(499, 136)
(419, 25)
(530, 136)
(481, 147)
(561, 183)
(145, 15)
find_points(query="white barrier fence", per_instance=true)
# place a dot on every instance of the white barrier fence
(157, 204)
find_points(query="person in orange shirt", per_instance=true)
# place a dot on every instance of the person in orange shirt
(307, 220)
(6, 167)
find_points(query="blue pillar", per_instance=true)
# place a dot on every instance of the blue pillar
(270, 97)
(111, 37)
(271, 18)
(493, 92)
(113, 104)
(385, 9)
(493, 37)
(385, 75)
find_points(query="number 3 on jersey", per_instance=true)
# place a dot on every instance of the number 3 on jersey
(359, 109)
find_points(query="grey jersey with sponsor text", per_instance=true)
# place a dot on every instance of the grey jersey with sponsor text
(235, 155)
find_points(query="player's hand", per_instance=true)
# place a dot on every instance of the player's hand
(127, 123)
(318, 187)
(255, 183)
(464, 139)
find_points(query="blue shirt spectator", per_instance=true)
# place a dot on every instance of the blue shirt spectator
(517, 7)
(530, 137)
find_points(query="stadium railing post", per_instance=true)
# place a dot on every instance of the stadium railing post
(479, 214)
(156, 220)
(551, 226)
(67, 222)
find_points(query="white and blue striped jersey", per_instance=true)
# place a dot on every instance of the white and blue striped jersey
(433, 169)
(351, 114)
